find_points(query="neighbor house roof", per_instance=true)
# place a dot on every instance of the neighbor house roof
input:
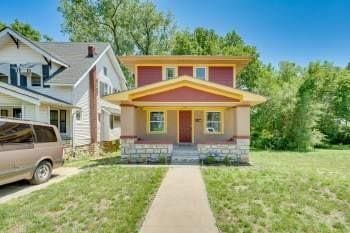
(131, 61)
(75, 54)
(245, 98)
(32, 96)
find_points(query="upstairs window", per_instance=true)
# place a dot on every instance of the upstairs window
(36, 80)
(105, 89)
(105, 71)
(170, 73)
(200, 73)
(4, 78)
(213, 122)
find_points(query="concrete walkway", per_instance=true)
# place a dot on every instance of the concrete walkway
(21, 188)
(181, 204)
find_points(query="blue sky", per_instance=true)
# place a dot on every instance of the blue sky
(294, 30)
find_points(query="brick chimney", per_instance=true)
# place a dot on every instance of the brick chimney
(91, 51)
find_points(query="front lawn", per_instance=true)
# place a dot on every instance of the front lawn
(283, 192)
(106, 198)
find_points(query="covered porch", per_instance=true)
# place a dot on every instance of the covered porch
(158, 119)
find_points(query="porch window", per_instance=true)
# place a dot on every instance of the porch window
(170, 73)
(17, 113)
(4, 113)
(63, 121)
(200, 73)
(54, 118)
(213, 122)
(156, 122)
(4, 78)
(36, 80)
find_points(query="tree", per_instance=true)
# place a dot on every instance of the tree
(26, 30)
(130, 26)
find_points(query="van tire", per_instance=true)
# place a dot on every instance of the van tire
(42, 173)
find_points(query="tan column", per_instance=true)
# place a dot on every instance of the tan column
(128, 121)
(241, 122)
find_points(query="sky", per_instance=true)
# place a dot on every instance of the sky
(282, 30)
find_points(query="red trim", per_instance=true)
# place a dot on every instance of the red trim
(127, 136)
(221, 75)
(148, 74)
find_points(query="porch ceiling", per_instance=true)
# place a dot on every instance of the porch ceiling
(138, 96)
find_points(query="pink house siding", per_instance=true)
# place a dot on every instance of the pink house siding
(221, 75)
(185, 94)
(185, 70)
(148, 74)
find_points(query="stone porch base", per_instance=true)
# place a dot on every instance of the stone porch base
(133, 151)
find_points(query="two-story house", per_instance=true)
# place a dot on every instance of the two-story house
(185, 107)
(61, 84)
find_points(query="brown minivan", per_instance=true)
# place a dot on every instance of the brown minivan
(28, 150)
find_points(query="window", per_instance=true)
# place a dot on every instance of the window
(4, 78)
(111, 121)
(105, 71)
(78, 115)
(156, 122)
(200, 73)
(36, 80)
(17, 113)
(63, 121)
(11, 132)
(45, 134)
(170, 73)
(105, 89)
(4, 113)
(213, 122)
(54, 117)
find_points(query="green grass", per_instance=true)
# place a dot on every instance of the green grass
(86, 160)
(101, 199)
(283, 192)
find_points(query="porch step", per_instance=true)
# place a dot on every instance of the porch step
(185, 154)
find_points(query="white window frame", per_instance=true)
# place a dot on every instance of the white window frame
(200, 67)
(31, 81)
(149, 122)
(221, 122)
(165, 72)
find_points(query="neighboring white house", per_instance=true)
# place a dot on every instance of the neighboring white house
(61, 84)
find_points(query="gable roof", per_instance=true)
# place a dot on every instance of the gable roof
(14, 35)
(72, 56)
(244, 97)
(75, 53)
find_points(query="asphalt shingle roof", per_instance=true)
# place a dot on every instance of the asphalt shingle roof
(75, 55)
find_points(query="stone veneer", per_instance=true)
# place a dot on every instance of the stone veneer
(237, 152)
(135, 152)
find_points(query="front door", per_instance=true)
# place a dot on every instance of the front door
(185, 126)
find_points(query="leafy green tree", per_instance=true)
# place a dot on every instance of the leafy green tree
(26, 29)
(130, 26)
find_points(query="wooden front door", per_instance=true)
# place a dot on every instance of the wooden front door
(185, 126)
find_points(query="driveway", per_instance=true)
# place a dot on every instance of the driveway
(21, 188)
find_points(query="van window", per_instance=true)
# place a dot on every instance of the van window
(11, 132)
(45, 134)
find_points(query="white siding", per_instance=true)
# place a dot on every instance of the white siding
(81, 99)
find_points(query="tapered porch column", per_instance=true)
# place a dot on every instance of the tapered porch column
(241, 132)
(241, 118)
(128, 121)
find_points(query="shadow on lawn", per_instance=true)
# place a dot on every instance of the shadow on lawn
(102, 162)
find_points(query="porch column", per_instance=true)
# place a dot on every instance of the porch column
(241, 132)
(128, 121)
(241, 122)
